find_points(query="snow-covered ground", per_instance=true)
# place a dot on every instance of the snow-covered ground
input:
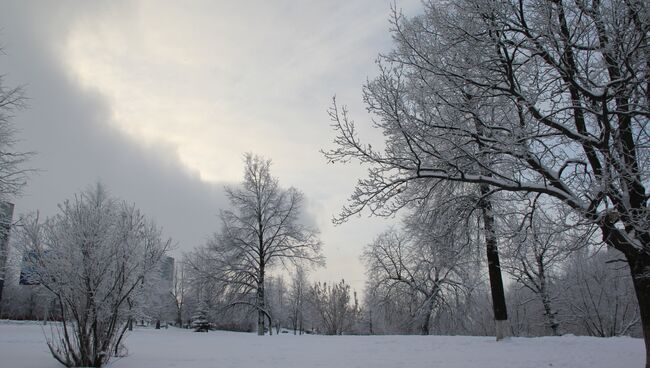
(23, 346)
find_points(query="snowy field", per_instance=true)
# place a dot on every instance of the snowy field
(22, 346)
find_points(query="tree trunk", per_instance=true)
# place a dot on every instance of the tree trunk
(6, 215)
(550, 314)
(129, 326)
(2, 283)
(424, 329)
(494, 266)
(640, 269)
(260, 303)
(544, 293)
(260, 319)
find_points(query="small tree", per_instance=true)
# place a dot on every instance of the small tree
(336, 309)
(541, 238)
(200, 321)
(93, 257)
(297, 296)
(277, 302)
(179, 291)
(600, 294)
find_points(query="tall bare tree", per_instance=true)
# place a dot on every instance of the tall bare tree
(263, 229)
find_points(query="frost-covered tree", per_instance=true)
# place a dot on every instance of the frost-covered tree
(200, 318)
(179, 291)
(599, 294)
(555, 94)
(420, 278)
(393, 260)
(159, 303)
(335, 307)
(390, 310)
(297, 299)
(13, 174)
(277, 302)
(541, 238)
(262, 229)
(92, 256)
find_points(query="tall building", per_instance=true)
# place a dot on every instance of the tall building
(167, 272)
(6, 216)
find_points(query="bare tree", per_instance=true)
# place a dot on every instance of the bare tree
(156, 294)
(599, 294)
(391, 310)
(277, 301)
(427, 270)
(13, 176)
(560, 93)
(179, 291)
(336, 309)
(93, 257)
(541, 240)
(297, 299)
(263, 229)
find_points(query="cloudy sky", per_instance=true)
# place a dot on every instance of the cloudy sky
(160, 99)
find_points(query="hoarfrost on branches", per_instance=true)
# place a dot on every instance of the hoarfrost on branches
(94, 257)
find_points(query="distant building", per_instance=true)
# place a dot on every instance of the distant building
(167, 273)
(6, 216)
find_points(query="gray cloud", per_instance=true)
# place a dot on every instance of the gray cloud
(69, 129)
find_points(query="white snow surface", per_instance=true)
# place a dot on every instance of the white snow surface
(23, 346)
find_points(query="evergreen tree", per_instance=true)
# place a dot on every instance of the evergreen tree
(200, 321)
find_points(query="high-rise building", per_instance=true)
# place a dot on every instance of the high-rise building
(167, 272)
(6, 216)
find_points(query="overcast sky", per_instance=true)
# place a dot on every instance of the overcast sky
(159, 101)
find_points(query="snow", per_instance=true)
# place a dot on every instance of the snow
(23, 346)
